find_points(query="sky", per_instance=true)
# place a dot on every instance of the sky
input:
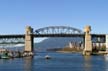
(15, 15)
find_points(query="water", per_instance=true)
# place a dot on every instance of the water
(59, 62)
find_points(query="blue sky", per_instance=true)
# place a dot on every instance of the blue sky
(16, 14)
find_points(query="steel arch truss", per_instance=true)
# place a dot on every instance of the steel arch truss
(57, 30)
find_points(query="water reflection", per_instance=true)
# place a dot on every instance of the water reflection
(87, 63)
(3, 61)
(59, 62)
(28, 63)
(106, 62)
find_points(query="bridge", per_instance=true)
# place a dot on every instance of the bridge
(53, 31)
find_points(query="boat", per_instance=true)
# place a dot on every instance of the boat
(47, 57)
(4, 56)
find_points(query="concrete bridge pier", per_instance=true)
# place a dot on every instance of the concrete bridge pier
(88, 42)
(29, 39)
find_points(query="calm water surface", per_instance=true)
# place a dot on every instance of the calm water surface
(59, 62)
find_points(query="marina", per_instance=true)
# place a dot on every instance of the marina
(7, 54)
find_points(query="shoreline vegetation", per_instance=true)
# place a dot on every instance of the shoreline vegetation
(66, 50)
(81, 52)
(78, 50)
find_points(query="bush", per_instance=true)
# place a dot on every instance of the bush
(103, 48)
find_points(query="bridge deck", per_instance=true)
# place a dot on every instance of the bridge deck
(59, 35)
(50, 35)
(13, 36)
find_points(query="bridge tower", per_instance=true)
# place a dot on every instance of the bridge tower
(88, 42)
(29, 39)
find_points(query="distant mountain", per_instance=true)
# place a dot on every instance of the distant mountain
(55, 42)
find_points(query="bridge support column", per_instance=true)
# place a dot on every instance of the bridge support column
(29, 39)
(88, 42)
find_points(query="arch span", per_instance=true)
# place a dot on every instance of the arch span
(58, 30)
